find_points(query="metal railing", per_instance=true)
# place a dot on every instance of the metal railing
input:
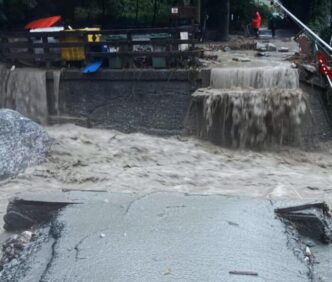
(305, 27)
(316, 39)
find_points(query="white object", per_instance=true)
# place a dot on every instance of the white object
(308, 252)
(26, 237)
(184, 36)
(48, 29)
(139, 47)
(307, 259)
(175, 11)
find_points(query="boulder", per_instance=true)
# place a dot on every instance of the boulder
(309, 68)
(261, 46)
(284, 49)
(241, 59)
(271, 47)
(23, 143)
(266, 47)
(262, 54)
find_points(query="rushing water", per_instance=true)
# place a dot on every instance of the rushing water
(24, 90)
(91, 159)
(251, 106)
(259, 77)
(94, 159)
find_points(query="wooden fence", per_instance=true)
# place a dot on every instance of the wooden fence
(130, 48)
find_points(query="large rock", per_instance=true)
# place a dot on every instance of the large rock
(266, 47)
(23, 143)
(271, 47)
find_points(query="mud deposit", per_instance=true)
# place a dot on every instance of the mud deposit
(98, 159)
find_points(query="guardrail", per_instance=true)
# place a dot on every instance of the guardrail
(314, 37)
(131, 47)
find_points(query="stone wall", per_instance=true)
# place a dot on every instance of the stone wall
(153, 101)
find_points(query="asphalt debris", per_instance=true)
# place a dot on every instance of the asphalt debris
(311, 220)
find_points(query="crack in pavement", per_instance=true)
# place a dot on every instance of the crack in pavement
(55, 233)
(131, 203)
(77, 249)
(80, 242)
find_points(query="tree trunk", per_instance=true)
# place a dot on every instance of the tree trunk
(224, 10)
(136, 17)
(155, 10)
(198, 11)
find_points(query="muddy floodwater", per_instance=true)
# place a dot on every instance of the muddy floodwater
(91, 159)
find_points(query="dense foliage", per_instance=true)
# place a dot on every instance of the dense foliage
(319, 22)
(106, 12)
(113, 13)
(246, 9)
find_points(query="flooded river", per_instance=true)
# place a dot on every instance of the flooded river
(94, 159)
(91, 159)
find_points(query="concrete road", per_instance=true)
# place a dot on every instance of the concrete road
(166, 237)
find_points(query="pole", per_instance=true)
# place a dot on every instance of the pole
(321, 41)
(331, 21)
(136, 18)
(198, 11)
(224, 11)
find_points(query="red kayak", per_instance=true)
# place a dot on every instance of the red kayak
(43, 23)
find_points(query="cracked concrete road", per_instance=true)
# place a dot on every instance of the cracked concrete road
(168, 237)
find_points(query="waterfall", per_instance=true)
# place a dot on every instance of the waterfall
(56, 90)
(251, 118)
(259, 77)
(24, 90)
(249, 107)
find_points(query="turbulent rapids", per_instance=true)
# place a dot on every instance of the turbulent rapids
(250, 107)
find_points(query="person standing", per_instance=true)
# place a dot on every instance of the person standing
(256, 24)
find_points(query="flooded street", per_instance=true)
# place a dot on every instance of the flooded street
(95, 159)
(166, 141)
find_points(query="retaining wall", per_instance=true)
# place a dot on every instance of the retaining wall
(128, 100)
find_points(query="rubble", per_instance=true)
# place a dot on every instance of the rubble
(262, 54)
(242, 59)
(14, 246)
(311, 220)
(263, 47)
(309, 68)
(283, 50)
(271, 47)
(23, 213)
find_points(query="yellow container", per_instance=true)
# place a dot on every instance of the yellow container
(77, 53)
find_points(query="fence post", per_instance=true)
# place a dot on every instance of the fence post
(130, 49)
(46, 52)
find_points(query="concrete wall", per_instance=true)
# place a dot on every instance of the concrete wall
(319, 99)
(153, 101)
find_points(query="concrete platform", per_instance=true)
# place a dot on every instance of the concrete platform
(165, 237)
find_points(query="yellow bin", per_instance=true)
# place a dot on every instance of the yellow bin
(77, 53)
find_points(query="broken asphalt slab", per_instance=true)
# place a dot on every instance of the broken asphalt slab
(164, 237)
